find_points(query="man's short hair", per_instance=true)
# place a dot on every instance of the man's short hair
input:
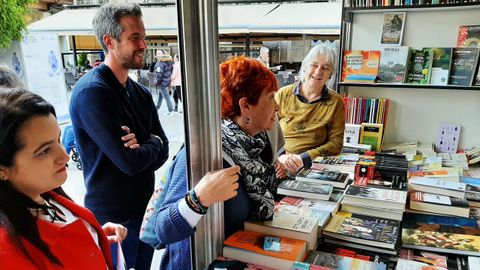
(107, 20)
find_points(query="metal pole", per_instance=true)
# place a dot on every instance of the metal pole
(198, 47)
(74, 47)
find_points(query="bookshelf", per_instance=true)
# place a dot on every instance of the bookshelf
(416, 111)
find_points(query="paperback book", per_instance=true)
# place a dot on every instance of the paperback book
(248, 247)
(468, 36)
(442, 60)
(352, 133)
(363, 230)
(397, 184)
(393, 64)
(305, 189)
(439, 261)
(392, 29)
(323, 176)
(372, 134)
(464, 65)
(360, 66)
(420, 66)
(438, 186)
(439, 204)
(368, 196)
(331, 205)
(334, 261)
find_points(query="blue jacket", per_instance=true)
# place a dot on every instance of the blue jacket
(171, 228)
(119, 181)
(163, 73)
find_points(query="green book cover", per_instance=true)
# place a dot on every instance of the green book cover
(420, 66)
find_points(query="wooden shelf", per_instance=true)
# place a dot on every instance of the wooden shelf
(416, 86)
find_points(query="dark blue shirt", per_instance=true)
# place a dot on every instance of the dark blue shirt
(119, 181)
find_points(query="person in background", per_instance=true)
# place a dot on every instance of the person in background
(312, 116)
(117, 131)
(8, 78)
(176, 82)
(248, 109)
(40, 226)
(264, 58)
(87, 66)
(163, 73)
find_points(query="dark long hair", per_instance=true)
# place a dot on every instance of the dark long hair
(17, 106)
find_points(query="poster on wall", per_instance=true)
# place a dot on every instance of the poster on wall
(12, 57)
(44, 70)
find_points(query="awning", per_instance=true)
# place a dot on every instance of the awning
(301, 18)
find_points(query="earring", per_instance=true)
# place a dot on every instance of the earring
(247, 120)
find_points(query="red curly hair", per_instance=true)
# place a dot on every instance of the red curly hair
(243, 77)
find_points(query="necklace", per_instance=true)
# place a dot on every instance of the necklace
(45, 208)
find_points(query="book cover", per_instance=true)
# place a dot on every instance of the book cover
(446, 224)
(363, 181)
(334, 261)
(248, 247)
(468, 36)
(288, 225)
(439, 204)
(385, 197)
(335, 178)
(352, 133)
(420, 66)
(305, 189)
(441, 242)
(358, 228)
(393, 64)
(330, 206)
(372, 134)
(464, 65)
(392, 28)
(442, 60)
(288, 216)
(360, 66)
(436, 260)
(438, 186)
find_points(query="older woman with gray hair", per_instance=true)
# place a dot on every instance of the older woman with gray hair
(311, 116)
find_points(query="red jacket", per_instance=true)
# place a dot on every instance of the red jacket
(71, 244)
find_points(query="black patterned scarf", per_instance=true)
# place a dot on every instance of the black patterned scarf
(258, 176)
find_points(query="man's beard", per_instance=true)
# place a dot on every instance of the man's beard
(130, 62)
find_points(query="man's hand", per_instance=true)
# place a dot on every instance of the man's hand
(115, 232)
(129, 140)
(280, 171)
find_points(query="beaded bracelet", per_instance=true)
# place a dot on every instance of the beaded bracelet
(196, 200)
(193, 206)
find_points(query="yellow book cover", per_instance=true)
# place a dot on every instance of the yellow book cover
(372, 134)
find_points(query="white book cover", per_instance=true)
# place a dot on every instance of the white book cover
(352, 133)
(403, 264)
(438, 183)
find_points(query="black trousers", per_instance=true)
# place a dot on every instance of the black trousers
(177, 95)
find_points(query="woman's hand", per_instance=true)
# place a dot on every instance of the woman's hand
(291, 162)
(115, 232)
(218, 186)
(129, 140)
(280, 171)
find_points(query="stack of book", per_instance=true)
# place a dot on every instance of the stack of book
(392, 167)
(438, 196)
(363, 232)
(305, 189)
(344, 163)
(453, 235)
(418, 260)
(274, 252)
(375, 202)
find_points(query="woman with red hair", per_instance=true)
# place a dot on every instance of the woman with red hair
(248, 112)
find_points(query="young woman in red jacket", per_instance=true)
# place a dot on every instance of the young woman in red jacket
(40, 226)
